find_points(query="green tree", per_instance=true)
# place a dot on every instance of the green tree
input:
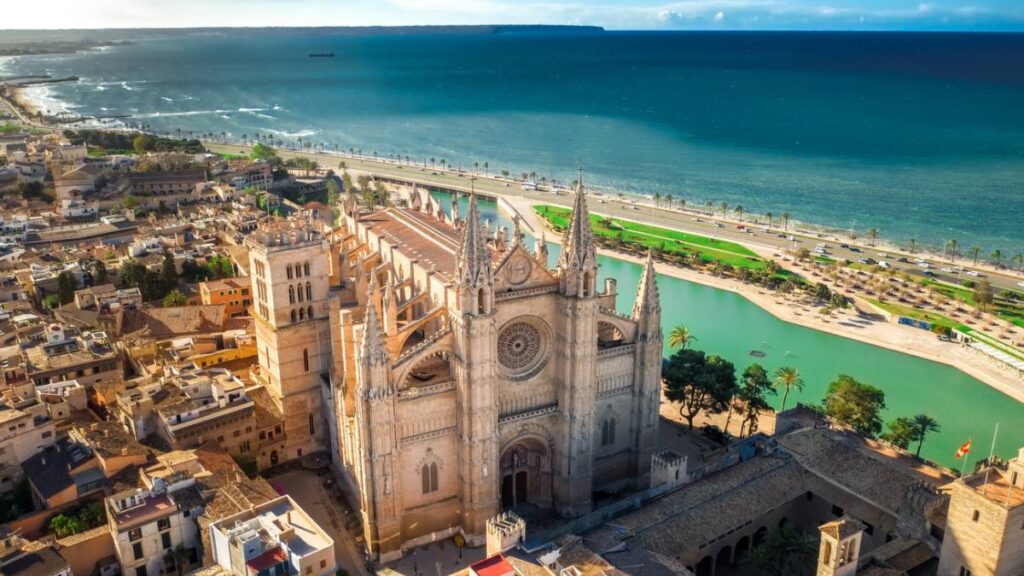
(66, 286)
(51, 301)
(332, 192)
(983, 296)
(699, 383)
(785, 221)
(754, 387)
(923, 424)
(680, 337)
(130, 202)
(900, 433)
(975, 253)
(176, 559)
(997, 257)
(788, 378)
(951, 246)
(142, 143)
(855, 404)
(821, 292)
(100, 274)
(261, 151)
(873, 234)
(168, 272)
(63, 525)
(174, 298)
(784, 552)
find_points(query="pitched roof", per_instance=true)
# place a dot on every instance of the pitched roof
(42, 562)
(173, 322)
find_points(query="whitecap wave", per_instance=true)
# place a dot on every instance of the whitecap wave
(166, 99)
(252, 110)
(127, 86)
(299, 134)
(267, 116)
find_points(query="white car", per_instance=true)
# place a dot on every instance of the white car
(925, 265)
(883, 255)
(973, 273)
(948, 270)
(1021, 284)
(883, 264)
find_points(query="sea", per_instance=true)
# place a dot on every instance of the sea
(917, 135)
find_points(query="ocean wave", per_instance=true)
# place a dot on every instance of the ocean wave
(166, 99)
(299, 134)
(181, 113)
(252, 110)
(267, 116)
(127, 86)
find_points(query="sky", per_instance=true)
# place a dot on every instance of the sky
(623, 14)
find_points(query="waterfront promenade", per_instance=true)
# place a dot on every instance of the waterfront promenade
(862, 322)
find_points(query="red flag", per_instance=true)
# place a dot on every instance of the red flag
(964, 449)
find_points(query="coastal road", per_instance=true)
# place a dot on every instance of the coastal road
(776, 240)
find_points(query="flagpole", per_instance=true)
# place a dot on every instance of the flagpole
(966, 455)
(991, 452)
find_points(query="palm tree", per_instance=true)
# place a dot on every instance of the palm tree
(1019, 259)
(873, 234)
(975, 252)
(680, 337)
(657, 199)
(768, 215)
(788, 378)
(785, 221)
(669, 200)
(997, 257)
(951, 247)
(487, 167)
(739, 213)
(913, 246)
(923, 424)
(725, 208)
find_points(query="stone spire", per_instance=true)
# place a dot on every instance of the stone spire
(542, 249)
(517, 232)
(390, 309)
(578, 243)
(648, 302)
(373, 350)
(455, 214)
(473, 261)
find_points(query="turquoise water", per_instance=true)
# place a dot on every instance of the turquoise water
(731, 326)
(918, 135)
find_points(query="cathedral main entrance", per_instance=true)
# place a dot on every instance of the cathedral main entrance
(526, 475)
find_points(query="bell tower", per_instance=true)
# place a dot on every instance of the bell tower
(475, 332)
(840, 547)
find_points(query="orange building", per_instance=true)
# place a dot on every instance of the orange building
(233, 293)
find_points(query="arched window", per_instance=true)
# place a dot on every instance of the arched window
(827, 558)
(289, 271)
(608, 432)
(300, 292)
(305, 359)
(293, 315)
(481, 302)
(586, 284)
(302, 313)
(291, 295)
(309, 291)
(309, 312)
(428, 478)
(305, 268)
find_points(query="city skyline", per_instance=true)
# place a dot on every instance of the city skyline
(987, 15)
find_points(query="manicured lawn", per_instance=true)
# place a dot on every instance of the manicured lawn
(916, 314)
(1010, 311)
(673, 241)
(8, 128)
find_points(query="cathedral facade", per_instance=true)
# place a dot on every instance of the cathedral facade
(468, 377)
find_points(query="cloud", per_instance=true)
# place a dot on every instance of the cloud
(719, 16)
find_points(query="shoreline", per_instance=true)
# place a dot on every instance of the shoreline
(834, 233)
(883, 334)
